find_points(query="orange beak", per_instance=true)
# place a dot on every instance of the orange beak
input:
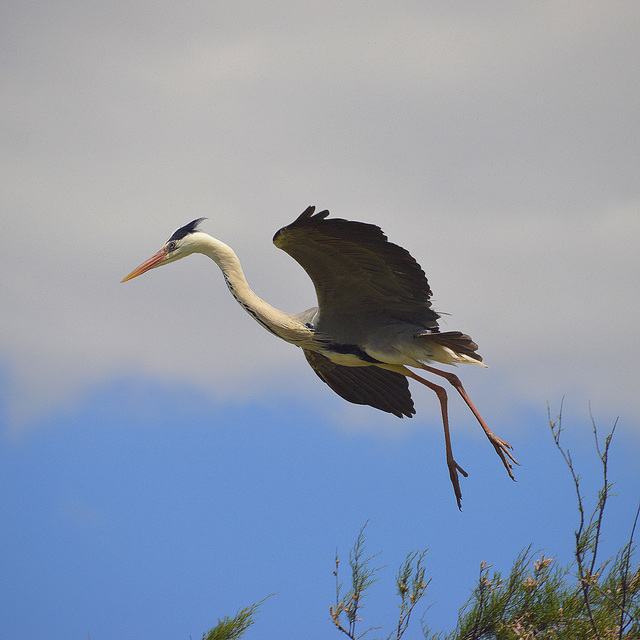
(154, 261)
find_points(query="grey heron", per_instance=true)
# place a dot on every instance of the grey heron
(373, 320)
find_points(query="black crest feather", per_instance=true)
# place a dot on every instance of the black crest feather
(186, 230)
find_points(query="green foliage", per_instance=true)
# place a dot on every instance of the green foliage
(411, 589)
(344, 613)
(410, 582)
(233, 628)
(538, 600)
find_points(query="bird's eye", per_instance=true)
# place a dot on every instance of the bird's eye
(171, 245)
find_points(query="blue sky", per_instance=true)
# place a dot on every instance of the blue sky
(164, 460)
(123, 524)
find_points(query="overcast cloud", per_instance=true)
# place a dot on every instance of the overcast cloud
(498, 142)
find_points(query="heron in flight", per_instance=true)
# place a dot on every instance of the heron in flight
(373, 320)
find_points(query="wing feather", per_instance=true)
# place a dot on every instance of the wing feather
(379, 388)
(356, 270)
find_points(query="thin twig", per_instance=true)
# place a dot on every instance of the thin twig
(584, 577)
(604, 493)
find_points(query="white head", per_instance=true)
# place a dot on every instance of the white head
(183, 242)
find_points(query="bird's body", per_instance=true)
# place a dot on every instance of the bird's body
(373, 320)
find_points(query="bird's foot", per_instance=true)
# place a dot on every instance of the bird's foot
(454, 467)
(503, 449)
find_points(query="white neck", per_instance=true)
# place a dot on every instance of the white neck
(278, 322)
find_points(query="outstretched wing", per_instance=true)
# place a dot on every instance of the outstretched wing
(356, 270)
(379, 388)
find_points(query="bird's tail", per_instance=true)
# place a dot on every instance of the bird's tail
(453, 347)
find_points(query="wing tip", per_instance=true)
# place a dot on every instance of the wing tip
(307, 218)
(309, 215)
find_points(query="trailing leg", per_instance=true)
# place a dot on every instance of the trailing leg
(501, 446)
(452, 465)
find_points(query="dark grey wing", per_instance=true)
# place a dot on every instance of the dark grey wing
(379, 388)
(356, 270)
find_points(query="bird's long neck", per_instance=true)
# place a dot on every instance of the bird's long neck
(277, 322)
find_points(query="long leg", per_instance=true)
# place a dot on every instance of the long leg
(502, 448)
(452, 465)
